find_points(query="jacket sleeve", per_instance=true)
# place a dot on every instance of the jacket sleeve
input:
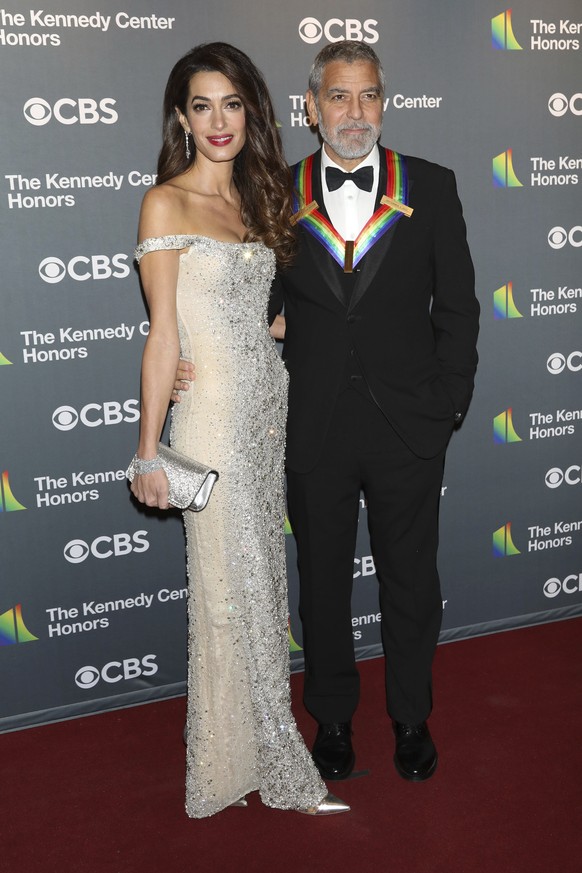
(455, 309)
(276, 298)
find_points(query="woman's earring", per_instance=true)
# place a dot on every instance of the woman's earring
(187, 135)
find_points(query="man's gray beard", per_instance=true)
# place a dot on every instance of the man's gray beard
(356, 146)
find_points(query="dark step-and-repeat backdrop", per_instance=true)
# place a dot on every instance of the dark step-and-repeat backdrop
(93, 589)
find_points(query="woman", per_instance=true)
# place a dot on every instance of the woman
(210, 234)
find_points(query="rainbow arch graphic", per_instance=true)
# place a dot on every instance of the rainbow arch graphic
(503, 545)
(8, 502)
(503, 429)
(502, 35)
(504, 304)
(12, 628)
(503, 173)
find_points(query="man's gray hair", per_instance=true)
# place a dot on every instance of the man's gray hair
(348, 51)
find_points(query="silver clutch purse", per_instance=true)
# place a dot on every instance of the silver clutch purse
(190, 482)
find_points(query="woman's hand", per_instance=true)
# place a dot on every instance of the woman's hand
(185, 373)
(151, 489)
(277, 329)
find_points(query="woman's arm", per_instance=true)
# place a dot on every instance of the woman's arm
(159, 276)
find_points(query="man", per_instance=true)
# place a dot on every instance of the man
(381, 323)
(380, 347)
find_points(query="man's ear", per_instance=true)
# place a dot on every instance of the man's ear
(312, 109)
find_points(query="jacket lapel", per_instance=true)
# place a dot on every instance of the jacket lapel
(373, 259)
(325, 263)
(371, 262)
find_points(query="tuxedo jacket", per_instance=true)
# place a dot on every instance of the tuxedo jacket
(410, 320)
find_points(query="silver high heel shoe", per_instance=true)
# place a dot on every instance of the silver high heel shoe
(330, 805)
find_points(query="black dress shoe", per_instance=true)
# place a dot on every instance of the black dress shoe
(415, 757)
(332, 750)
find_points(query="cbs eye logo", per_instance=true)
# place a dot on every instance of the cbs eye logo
(337, 29)
(76, 551)
(559, 104)
(65, 418)
(52, 270)
(559, 236)
(39, 112)
(87, 677)
(557, 363)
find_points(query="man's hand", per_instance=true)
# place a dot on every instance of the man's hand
(185, 374)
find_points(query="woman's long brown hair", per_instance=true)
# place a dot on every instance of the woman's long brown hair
(261, 174)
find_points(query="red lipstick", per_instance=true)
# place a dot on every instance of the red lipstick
(220, 140)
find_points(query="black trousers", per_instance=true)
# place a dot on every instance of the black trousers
(362, 451)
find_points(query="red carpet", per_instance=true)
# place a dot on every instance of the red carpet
(106, 793)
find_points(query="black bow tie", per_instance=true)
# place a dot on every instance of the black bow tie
(363, 178)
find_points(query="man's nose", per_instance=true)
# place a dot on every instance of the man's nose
(355, 110)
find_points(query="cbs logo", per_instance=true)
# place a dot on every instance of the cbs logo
(96, 414)
(77, 551)
(559, 104)
(559, 236)
(337, 29)
(553, 587)
(66, 111)
(571, 476)
(366, 566)
(557, 363)
(81, 268)
(115, 671)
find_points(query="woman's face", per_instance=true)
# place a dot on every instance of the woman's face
(215, 117)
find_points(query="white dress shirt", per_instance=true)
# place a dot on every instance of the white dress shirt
(348, 207)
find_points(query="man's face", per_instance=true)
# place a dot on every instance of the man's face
(348, 110)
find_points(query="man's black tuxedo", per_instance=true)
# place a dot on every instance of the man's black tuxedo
(412, 321)
(381, 366)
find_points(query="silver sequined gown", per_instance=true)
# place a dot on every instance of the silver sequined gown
(241, 733)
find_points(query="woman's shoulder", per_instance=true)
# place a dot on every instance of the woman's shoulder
(167, 197)
(162, 211)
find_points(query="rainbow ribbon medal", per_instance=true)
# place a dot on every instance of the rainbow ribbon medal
(392, 206)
